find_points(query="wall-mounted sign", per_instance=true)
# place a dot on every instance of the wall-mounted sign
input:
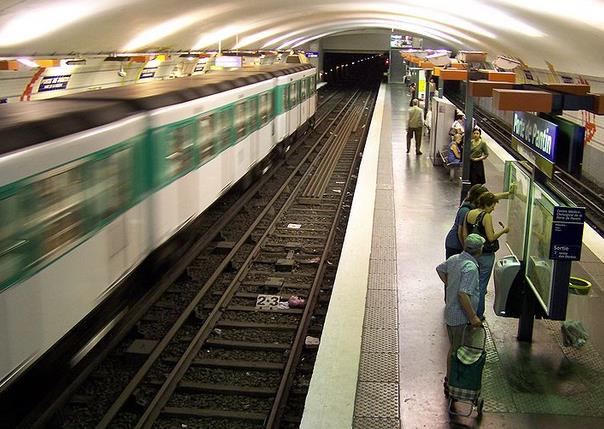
(567, 233)
(312, 54)
(148, 72)
(537, 133)
(228, 61)
(401, 41)
(570, 142)
(54, 83)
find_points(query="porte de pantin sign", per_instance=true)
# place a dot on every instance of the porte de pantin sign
(536, 133)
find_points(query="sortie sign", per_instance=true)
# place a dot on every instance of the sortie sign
(567, 233)
(537, 133)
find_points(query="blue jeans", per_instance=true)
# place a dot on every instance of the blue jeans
(485, 267)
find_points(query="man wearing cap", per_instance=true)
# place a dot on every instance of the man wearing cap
(460, 275)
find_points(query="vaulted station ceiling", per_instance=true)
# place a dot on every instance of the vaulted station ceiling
(567, 34)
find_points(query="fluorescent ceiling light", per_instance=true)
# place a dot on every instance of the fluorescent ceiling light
(218, 35)
(27, 62)
(160, 31)
(36, 22)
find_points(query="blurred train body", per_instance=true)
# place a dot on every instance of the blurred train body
(92, 183)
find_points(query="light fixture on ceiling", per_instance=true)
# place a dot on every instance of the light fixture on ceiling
(27, 62)
(73, 62)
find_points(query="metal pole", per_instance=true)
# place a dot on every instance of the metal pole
(441, 87)
(527, 314)
(467, 143)
(428, 74)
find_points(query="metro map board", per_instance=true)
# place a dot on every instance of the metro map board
(567, 233)
(536, 133)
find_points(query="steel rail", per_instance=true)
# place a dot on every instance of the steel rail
(281, 398)
(141, 373)
(169, 386)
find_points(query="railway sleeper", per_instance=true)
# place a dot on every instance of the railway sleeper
(212, 413)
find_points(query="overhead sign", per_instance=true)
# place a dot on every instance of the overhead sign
(148, 72)
(312, 54)
(54, 83)
(537, 133)
(567, 233)
(401, 41)
(228, 61)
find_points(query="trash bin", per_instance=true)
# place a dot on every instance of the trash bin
(578, 286)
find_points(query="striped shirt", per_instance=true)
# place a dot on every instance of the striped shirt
(462, 276)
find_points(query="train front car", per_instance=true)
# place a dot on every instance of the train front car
(72, 217)
(94, 182)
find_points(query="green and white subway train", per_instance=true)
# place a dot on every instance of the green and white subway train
(92, 183)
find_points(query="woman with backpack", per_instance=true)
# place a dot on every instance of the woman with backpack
(480, 221)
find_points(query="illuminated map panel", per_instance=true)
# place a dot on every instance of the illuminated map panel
(516, 178)
(539, 268)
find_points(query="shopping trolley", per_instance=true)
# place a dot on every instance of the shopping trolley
(465, 378)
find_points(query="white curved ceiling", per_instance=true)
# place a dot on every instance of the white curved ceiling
(567, 34)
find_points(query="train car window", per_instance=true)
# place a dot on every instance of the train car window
(313, 87)
(224, 129)
(179, 151)
(293, 94)
(252, 114)
(264, 108)
(14, 243)
(304, 88)
(285, 98)
(206, 137)
(270, 106)
(240, 120)
(60, 215)
(111, 189)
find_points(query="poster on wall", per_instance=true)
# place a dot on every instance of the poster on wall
(54, 83)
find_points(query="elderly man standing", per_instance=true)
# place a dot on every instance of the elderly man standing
(415, 125)
(460, 275)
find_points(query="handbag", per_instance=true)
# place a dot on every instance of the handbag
(489, 246)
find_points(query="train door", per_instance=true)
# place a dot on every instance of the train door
(253, 126)
(225, 147)
(304, 100)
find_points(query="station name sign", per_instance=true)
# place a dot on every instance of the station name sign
(148, 72)
(567, 233)
(537, 133)
(54, 83)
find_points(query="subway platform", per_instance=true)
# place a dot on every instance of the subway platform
(381, 361)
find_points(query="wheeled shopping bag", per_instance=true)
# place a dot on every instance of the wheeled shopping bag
(465, 378)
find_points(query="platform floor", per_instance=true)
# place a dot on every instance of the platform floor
(400, 347)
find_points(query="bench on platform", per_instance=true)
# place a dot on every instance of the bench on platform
(453, 167)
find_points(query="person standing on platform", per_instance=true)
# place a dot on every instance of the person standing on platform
(454, 238)
(412, 90)
(432, 87)
(461, 278)
(458, 124)
(479, 153)
(480, 221)
(415, 125)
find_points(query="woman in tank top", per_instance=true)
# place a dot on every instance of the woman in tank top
(480, 220)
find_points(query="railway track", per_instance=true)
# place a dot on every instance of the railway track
(580, 191)
(233, 345)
